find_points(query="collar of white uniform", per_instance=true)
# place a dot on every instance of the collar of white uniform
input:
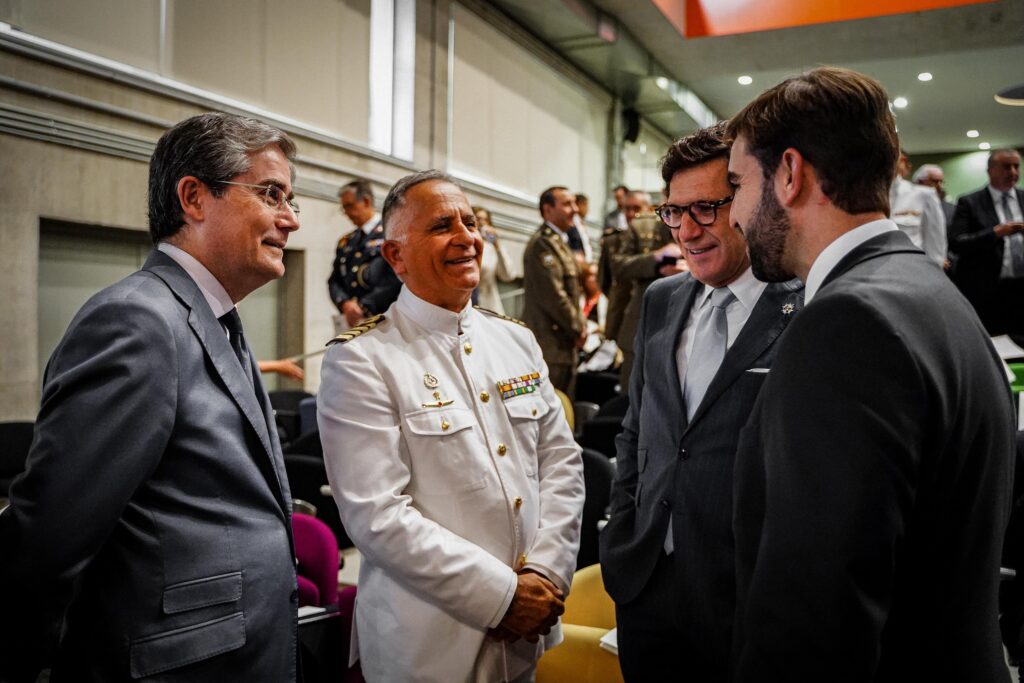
(434, 318)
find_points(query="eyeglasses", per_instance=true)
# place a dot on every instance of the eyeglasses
(703, 213)
(273, 195)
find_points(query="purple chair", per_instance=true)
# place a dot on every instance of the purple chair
(317, 552)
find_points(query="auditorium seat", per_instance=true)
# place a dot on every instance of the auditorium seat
(316, 549)
(307, 478)
(599, 434)
(616, 406)
(589, 615)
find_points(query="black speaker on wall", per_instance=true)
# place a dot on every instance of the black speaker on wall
(630, 124)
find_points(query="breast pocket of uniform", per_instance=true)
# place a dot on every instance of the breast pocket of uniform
(525, 413)
(446, 451)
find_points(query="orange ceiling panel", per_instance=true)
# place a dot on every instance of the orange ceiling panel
(727, 17)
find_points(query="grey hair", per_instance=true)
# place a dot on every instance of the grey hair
(396, 200)
(361, 188)
(923, 170)
(642, 194)
(214, 148)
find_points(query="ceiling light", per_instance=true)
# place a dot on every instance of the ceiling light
(924, 76)
(984, 145)
(662, 82)
(972, 133)
(900, 102)
(745, 80)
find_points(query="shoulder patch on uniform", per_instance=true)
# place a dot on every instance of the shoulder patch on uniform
(344, 240)
(350, 334)
(548, 260)
(495, 314)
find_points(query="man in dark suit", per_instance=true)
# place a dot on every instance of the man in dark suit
(666, 553)
(986, 236)
(155, 483)
(361, 284)
(872, 483)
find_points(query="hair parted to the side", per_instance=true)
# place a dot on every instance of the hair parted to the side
(547, 197)
(396, 200)
(212, 147)
(360, 187)
(840, 121)
(695, 149)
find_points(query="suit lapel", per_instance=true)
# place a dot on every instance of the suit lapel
(679, 307)
(774, 309)
(218, 349)
(892, 242)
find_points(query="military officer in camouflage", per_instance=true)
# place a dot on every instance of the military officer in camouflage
(361, 283)
(552, 289)
(646, 252)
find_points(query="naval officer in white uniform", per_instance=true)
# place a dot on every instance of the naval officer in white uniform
(452, 463)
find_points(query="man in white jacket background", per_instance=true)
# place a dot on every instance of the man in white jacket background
(453, 466)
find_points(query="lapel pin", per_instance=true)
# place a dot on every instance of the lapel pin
(788, 308)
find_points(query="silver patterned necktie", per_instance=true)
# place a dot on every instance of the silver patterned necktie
(710, 340)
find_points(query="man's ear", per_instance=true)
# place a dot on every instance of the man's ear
(789, 177)
(192, 193)
(392, 253)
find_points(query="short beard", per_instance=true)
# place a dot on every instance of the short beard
(766, 235)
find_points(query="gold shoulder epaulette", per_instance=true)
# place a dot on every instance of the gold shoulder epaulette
(495, 314)
(352, 333)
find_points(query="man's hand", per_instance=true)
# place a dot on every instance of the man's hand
(535, 607)
(353, 312)
(1005, 229)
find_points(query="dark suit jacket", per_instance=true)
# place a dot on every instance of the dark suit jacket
(872, 485)
(155, 483)
(665, 464)
(979, 253)
(360, 272)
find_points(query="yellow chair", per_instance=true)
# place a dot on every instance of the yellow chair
(570, 414)
(589, 615)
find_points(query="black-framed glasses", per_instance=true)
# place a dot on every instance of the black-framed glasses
(703, 213)
(273, 196)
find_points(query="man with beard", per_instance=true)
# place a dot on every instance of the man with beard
(705, 343)
(872, 483)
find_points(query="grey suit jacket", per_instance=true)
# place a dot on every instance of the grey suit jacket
(156, 483)
(668, 466)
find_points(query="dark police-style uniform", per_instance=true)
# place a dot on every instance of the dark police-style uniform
(361, 273)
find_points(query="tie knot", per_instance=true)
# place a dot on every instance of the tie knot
(232, 322)
(722, 297)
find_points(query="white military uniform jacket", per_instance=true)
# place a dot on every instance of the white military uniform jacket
(452, 464)
(917, 211)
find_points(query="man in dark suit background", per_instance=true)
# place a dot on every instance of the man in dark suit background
(156, 482)
(666, 553)
(986, 237)
(872, 484)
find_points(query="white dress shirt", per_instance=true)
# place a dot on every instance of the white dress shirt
(213, 291)
(917, 211)
(831, 255)
(746, 288)
(1015, 215)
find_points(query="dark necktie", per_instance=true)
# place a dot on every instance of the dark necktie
(233, 323)
(575, 240)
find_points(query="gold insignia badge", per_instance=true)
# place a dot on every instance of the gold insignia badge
(429, 381)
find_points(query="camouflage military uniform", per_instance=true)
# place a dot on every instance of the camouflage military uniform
(618, 294)
(551, 308)
(634, 269)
